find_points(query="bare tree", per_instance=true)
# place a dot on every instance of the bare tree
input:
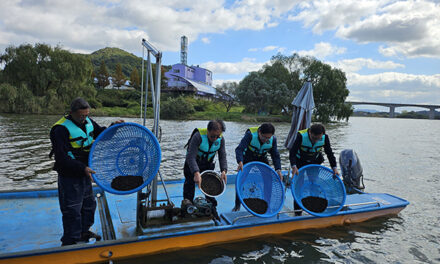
(226, 91)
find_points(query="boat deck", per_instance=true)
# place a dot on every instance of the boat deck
(31, 220)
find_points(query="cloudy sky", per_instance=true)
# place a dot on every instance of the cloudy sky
(390, 50)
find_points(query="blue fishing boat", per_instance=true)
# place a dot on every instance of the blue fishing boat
(31, 224)
(154, 219)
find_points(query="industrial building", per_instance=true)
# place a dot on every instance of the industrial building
(189, 79)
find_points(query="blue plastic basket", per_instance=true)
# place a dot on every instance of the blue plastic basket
(126, 149)
(319, 181)
(258, 180)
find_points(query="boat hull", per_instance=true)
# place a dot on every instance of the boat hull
(117, 214)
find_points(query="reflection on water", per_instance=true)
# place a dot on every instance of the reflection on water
(337, 244)
(398, 156)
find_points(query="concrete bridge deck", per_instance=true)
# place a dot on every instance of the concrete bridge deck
(393, 107)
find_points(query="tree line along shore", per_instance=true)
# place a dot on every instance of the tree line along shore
(40, 79)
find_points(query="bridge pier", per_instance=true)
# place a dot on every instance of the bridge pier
(431, 113)
(392, 114)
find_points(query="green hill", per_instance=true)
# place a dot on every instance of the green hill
(113, 56)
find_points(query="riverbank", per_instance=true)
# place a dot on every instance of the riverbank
(234, 115)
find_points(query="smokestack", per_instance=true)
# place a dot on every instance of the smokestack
(183, 49)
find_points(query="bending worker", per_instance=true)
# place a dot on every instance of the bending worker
(307, 149)
(203, 144)
(72, 137)
(254, 146)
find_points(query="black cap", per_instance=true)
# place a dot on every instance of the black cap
(79, 103)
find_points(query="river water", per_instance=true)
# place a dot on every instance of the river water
(399, 156)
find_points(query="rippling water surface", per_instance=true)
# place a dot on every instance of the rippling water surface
(399, 157)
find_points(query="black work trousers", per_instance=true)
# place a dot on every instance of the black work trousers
(77, 206)
(189, 186)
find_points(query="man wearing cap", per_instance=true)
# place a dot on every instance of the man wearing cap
(254, 146)
(72, 137)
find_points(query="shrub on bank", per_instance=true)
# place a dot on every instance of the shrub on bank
(118, 98)
(176, 108)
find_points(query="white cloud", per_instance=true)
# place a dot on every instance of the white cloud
(221, 81)
(206, 40)
(354, 65)
(242, 67)
(410, 28)
(322, 50)
(324, 15)
(90, 25)
(268, 48)
(395, 87)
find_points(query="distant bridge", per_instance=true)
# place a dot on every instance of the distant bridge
(393, 107)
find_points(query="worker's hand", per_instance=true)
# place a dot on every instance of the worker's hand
(89, 172)
(294, 171)
(335, 171)
(197, 178)
(117, 122)
(240, 166)
(224, 177)
(280, 174)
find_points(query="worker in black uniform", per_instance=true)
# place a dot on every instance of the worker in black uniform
(72, 137)
(203, 145)
(254, 146)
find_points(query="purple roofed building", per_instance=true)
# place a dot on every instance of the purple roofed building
(186, 78)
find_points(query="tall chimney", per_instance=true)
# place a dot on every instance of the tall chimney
(183, 49)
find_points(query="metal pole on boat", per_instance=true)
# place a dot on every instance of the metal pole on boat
(142, 78)
(153, 91)
(156, 118)
(146, 86)
(152, 85)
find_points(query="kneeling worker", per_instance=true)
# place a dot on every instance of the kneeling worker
(254, 146)
(203, 144)
(307, 149)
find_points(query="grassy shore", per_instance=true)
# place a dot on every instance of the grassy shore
(235, 114)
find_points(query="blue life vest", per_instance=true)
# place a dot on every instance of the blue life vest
(205, 152)
(255, 145)
(80, 141)
(308, 151)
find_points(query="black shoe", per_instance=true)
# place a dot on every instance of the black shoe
(68, 243)
(85, 236)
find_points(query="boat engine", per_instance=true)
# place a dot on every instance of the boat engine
(199, 208)
(352, 172)
(204, 207)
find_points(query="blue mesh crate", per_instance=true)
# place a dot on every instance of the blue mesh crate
(260, 189)
(124, 152)
(318, 191)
